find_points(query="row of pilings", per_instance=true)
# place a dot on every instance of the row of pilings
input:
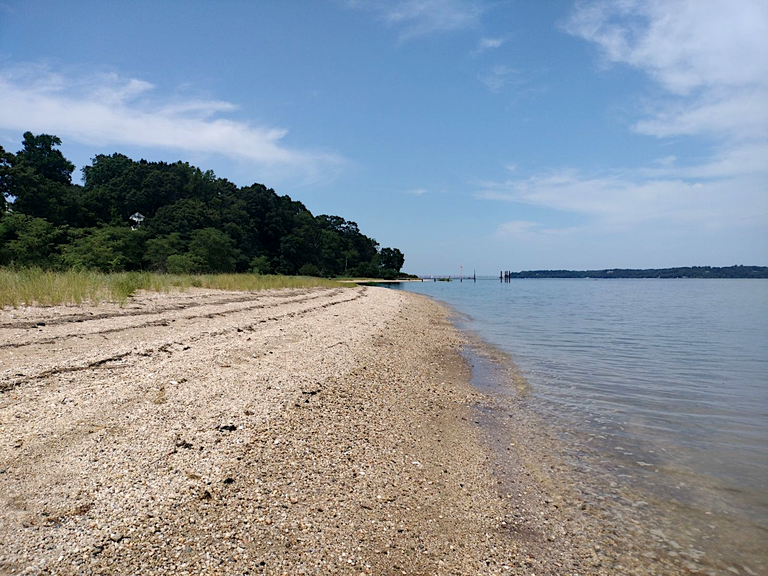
(505, 276)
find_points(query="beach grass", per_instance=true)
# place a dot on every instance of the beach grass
(34, 286)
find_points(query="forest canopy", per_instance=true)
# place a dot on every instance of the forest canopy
(130, 215)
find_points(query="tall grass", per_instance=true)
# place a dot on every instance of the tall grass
(33, 286)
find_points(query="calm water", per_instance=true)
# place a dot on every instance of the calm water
(671, 376)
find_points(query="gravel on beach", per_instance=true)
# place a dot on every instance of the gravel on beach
(324, 431)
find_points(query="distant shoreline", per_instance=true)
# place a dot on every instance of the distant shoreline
(682, 272)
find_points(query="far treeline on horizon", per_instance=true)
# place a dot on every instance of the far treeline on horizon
(737, 271)
(167, 217)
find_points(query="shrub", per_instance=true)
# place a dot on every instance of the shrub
(309, 270)
(179, 264)
(212, 250)
(260, 265)
(108, 249)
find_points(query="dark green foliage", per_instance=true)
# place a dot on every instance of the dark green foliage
(180, 264)
(309, 270)
(391, 258)
(107, 249)
(158, 250)
(27, 241)
(6, 159)
(182, 217)
(40, 156)
(366, 270)
(212, 250)
(194, 222)
(260, 265)
(39, 179)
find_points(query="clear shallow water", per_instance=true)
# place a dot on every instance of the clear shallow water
(668, 379)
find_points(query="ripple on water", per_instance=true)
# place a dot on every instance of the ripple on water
(660, 386)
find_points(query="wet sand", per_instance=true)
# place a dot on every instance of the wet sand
(290, 432)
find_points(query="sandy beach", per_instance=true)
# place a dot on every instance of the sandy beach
(324, 431)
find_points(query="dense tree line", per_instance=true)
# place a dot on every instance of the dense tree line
(192, 221)
(684, 272)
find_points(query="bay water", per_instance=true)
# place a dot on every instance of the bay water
(666, 380)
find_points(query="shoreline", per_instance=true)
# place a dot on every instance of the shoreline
(630, 527)
(298, 431)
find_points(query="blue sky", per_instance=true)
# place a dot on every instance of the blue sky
(493, 135)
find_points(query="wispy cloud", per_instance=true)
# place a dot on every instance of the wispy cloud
(740, 113)
(727, 191)
(486, 44)
(107, 109)
(517, 228)
(665, 161)
(709, 63)
(499, 76)
(709, 57)
(417, 192)
(529, 229)
(421, 17)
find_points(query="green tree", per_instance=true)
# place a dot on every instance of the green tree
(391, 259)
(39, 154)
(6, 163)
(158, 250)
(309, 270)
(211, 250)
(180, 264)
(260, 265)
(193, 220)
(29, 241)
(302, 245)
(182, 217)
(39, 179)
(108, 249)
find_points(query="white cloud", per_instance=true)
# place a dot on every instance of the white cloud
(709, 58)
(499, 76)
(417, 191)
(666, 160)
(105, 109)
(611, 198)
(727, 162)
(684, 44)
(726, 192)
(517, 228)
(488, 44)
(530, 229)
(742, 114)
(421, 17)
(709, 55)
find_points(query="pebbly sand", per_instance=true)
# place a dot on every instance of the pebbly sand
(327, 431)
